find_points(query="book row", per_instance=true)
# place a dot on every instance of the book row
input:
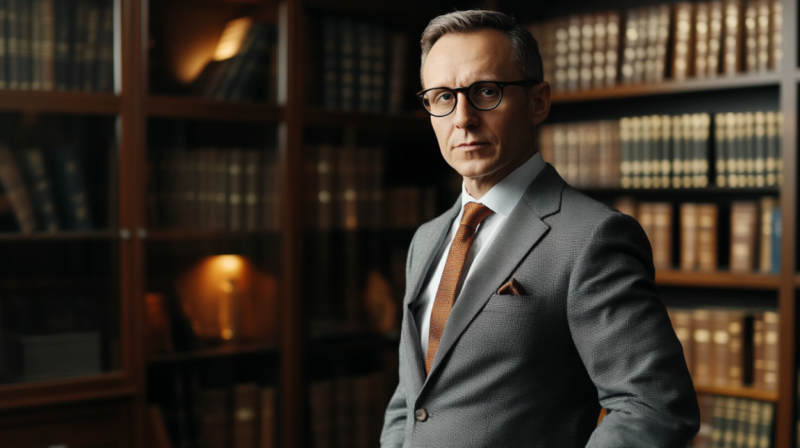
(662, 151)
(45, 189)
(653, 43)
(363, 66)
(345, 191)
(347, 412)
(241, 416)
(57, 45)
(729, 422)
(231, 189)
(248, 74)
(755, 234)
(729, 347)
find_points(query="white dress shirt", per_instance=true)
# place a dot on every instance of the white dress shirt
(501, 198)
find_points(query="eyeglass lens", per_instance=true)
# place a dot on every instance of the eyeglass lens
(484, 96)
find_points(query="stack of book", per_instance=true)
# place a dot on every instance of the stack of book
(585, 154)
(249, 74)
(46, 189)
(726, 347)
(216, 189)
(347, 412)
(57, 45)
(358, 58)
(241, 416)
(755, 234)
(748, 149)
(662, 151)
(706, 39)
(730, 422)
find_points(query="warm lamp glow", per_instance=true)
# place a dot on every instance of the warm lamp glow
(230, 264)
(232, 37)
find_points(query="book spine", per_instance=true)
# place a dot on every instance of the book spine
(744, 216)
(759, 363)
(715, 24)
(682, 323)
(599, 41)
(104, 77)
(689, 166)
(767, 426)
(244, 416)
(666, 151)
(688, 235)
(682, 55)
(379, 51)
(78, 47)
(36, 40)
(736, 351)
(561, 56)
(721, 149)
(718, 422)
(664, 16)
(777, 234)
(732, 40)
(662, 244)
(751, 36)
(397, 74)
(771, 352)
(32, 161)
(347, 67)
(252, 174)
(677, 151)
(574, 52)
(573, 154)
(765, 245)
(18, 195)
(760, 152)
(729, 431)
(701, 40)
(637, 152)
(750, 149)
(733, 149)
(741, 149)
(707, 237)
(24, 40)
(720, 363)
(762, 35)
(776, 37)
(48, 45)
(13, 44)
(363, 60)
(4, 78)
(63, 42)
(586, 64)
(626, 146)
(235, 190)
(702, 340)
(612, 49)
(215, 418)
(655, 151)
(268, 428)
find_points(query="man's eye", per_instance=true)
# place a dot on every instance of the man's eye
(444, 97)
(488, 92)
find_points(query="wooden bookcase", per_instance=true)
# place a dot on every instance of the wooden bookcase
(142, 105)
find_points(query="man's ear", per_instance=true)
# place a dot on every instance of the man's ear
(539, 102)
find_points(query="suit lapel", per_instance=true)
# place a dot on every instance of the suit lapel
(521, 232)
(427, 243)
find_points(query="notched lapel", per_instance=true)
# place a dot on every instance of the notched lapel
(416, 365)
(522, 230)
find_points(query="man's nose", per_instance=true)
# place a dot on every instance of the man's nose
(465, 115)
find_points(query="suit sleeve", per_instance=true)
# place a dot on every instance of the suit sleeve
(626, 342)
(394, 422)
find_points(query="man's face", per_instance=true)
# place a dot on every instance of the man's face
(482, 146)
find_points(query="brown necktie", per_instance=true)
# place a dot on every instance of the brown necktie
(474, 213)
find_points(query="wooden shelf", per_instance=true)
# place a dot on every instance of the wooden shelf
(59, 236)
(743, 81)
(212, 352)
(739, 392)
(406, 121)
(717, 279)
(191, 234)
(713, 190)
(63, 102)
(204, 109)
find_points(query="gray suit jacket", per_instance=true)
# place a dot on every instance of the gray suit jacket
(533, 370)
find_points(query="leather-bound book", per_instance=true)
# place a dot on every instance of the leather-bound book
(235, 192)
(732, 37)
(720, 149)
(613, 28)
(750, 36)
(689, 158)
(379, 68)
(347, 64)
(720, 337)
(626, 153)
(776, 36)
(654, 151)
(767, 205)
(330, 64)
(659, 61)
(763, 19)
(772, 148)
(561, 56)
(631, 43)
(637, 152)
(586, 70)
(32, 163)
(760, 151)
(268, 418)
(688, 235)
(750, 149)
(740, 358)
(707, 222)
(703, 437)
(14, 186)
(363, 71)
(216, 417)
(573, 154)
(682, 55)
(701, 34)
(608, 163)
(715, 37)
(244, 418)
(397, 72)
(741, 149)
(599, 41)
(104, 69)
(662, 232)
(759, 360)
(771, 350)
(682, 323)
(574, 52)
(677, 146)
(626, 205)
(744, 230)
(703, 343)
(644, 214)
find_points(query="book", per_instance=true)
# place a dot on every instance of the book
(777, 234)
(244, 416)
(612, 48)
(363, 66)
(707, 219)
(598, 54)
(18, 194)
(573, 54)
(268, 422)
(689, 236)
(732, 37)
(750, 15)
(24, 42)
(662, 232)
(378, 76)
(104, 71)
(682, 54)
(771, 350)
(701, 39)
(89, 58)
(744, 229)
(720, 363)
(776, 36)
(32, 163)
(767, 205)
(759, 360)
(720, 149)
(72, 200)
(397, 71)
(586, 52)
(715, 38)
(347, 64)
(631, 43)
(702, 347)
(215, 417)
(682, 323)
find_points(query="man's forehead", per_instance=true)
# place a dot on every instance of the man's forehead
(485, 54)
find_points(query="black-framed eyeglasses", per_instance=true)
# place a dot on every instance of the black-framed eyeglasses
(482, 95)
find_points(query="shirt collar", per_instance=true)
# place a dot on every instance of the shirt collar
(504, 195)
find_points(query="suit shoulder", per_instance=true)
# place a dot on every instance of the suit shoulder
(583, 208)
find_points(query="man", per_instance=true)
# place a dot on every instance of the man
(528, 305)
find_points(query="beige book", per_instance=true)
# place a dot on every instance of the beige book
(744, 229)
(702, 341)
(732, 37)
(561, 56)
(688, 236)
(776, 40)
(586, 70)
(612, 48)
(766, 207)
(750, 36)
(707, 219)
(701, 34)
(715, 23)
(630, 47)
(600, 40)
(682, 54)
(573, 52)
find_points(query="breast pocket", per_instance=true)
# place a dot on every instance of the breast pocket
(507, 303)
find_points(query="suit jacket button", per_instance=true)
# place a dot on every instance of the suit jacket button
(421, 415)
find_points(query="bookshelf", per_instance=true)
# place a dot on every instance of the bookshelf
(151, 111)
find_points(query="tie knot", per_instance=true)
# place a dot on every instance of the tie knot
(474, 214)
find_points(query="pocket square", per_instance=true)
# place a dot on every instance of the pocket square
(513, 288)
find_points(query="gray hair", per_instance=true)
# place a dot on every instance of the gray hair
(524, 49)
